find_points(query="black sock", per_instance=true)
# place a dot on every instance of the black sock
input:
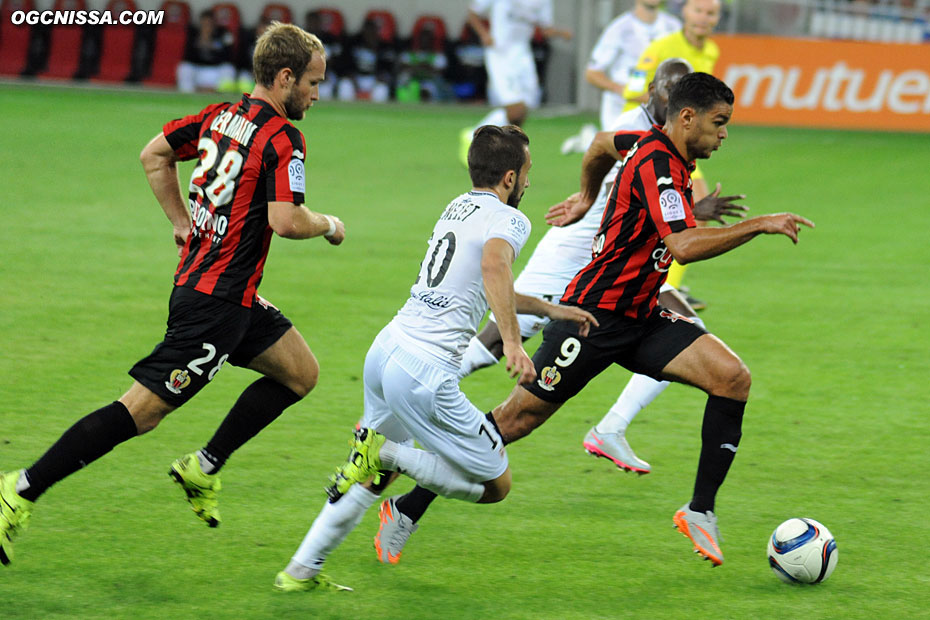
(415, 503)
(90, 438)
(720, 434)
(258, 406)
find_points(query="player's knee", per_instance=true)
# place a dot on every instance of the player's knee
(496, 490)
(305, 379)
(735, 380)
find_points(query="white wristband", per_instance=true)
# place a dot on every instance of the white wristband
(332, 226)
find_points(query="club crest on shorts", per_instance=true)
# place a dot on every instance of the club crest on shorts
(549, 378)
(179, 380)
(673, 316)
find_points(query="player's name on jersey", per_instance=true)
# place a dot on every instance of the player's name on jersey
(459, 210)
(236, 127)
(433, 300)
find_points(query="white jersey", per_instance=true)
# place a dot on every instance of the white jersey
(447, 301)
(618, 49)
(563, 251)
(513, 22)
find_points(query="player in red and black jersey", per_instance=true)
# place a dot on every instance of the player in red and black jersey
(248, 184)
(648, 222)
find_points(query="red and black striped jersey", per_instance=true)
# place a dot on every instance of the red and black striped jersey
(249, 156)
(650, 199)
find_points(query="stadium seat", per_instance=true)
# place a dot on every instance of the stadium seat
(387, 25)
(170, 42)
(227, 16)
(116, 46)
(14, 40)
(278, 13)
(333, 21)
(64, 44)
(439, 28)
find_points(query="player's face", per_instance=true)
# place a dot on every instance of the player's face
(709, 130)
(523, 181)
(652, 5)
(700, 17)
(306, 90)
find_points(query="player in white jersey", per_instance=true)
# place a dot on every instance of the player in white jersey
(612, 60)
(563, 252)
(410, 381)
(513, 84)
(618, 49)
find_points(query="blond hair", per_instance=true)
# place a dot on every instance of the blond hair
(284, 46)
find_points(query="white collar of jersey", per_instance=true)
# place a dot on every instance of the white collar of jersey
(477, 191)
(652, 121)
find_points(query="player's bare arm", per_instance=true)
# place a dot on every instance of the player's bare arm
(600, 79)
(161, 169)
(496, 261)
(562, 33)
(696, 244)
(477, 24)
(598, 160)
(527, 304)
(714, 207)
(298, 222)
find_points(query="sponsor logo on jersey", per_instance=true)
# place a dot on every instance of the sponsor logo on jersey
(434, 300)
(295, 176)
(549, 378)
(178, 380)
(673, 316)
(673, 208)
(663, 258)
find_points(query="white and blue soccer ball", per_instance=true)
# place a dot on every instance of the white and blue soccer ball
(802, 551)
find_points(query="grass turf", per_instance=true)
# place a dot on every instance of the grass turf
(833, 330)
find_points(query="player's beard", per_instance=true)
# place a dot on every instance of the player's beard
(293, 107)
(515, 197)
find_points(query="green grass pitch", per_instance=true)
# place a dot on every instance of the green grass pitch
(834, 331)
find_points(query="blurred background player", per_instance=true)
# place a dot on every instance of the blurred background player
(369, 66)
(613, 58)
(250, 183)
(208, 60)
(693, 43)
(513, 83)
(564, 251)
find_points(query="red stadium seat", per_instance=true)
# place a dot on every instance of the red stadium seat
(277, 13)
(387, 26)
(64, 53)
(170, 42)
(116, 45)
(439, 28)
(333, 21)
(14, 40)
(227, 16)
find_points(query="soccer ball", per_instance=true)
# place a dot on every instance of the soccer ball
(802, 551)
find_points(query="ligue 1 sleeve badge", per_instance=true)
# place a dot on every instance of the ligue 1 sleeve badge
(179, 380)
(549, 378)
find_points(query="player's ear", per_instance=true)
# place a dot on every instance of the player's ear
(510, 179)
(284, 77)
(687, 116)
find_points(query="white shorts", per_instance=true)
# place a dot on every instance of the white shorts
(407, 398)
(512, 76)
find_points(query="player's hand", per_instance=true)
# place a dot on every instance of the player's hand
(180, 237)
(519, 364)
(714, 206)
(583, 318)
(567, 212)
(487, 40)
(339, 236)
(787, 224)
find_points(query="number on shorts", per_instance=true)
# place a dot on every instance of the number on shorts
(195, 365)
(571, 347)
(220, 191)
(485, 430)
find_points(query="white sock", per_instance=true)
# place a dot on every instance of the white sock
(328, 531)
(638, 393)
(476, 356)
(22, 483)
(497, 116)
(431, 471)
(205, 463)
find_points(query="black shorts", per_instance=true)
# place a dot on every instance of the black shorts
(203, 333)
(566, 362)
